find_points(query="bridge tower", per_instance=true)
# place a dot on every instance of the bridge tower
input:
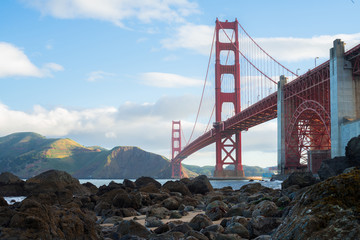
(228, 144)
(176, 148)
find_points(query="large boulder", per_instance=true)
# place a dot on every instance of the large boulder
(200, 184)
(53, 181)
(325, 210)
(33, 220)
(335, 166)
(302, 179)
(143, 181)
(352, 149)
(11, 185)
(177, 186)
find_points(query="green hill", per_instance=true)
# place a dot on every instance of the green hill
(28, 154)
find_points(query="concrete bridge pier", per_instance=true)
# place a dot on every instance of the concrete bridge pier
(344, 100)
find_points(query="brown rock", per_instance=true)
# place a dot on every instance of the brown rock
(302, 179)
(200, 221)
(3, 202)
(132, 228)
(177, 186)
(171, 203)
(11, 185)
(143, 181)
(59, 182)
(200, 185)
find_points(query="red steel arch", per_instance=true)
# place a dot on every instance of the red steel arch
(309, 129)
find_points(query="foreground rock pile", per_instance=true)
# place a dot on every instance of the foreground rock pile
(59, 207)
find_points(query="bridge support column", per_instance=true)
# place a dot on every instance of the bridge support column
(228, 145)
(176, 148)
(342, 96)
(281, 124)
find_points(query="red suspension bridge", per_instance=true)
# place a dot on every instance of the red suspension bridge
(317, 112)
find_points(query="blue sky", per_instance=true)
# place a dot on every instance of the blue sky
(117, 72)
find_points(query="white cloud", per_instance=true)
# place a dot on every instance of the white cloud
(98, 75)
(14, 62)
(169, 80)
(116, 11)
(194, 37)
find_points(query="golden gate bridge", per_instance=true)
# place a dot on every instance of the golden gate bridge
(316, 111)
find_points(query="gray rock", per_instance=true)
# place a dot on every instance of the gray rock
(302, 179)
(171, 203)
(159, 212)
(153, 222)
(177, 186)
(265, 208)
(189, 208)
(251, 188)
(200, 184)
(132, 228)
(352, 149)
(261, 225)
(200, 221)
(213, 228)
(129, 184)
(175, 214)
(335, 166)
(242, 220)
(183, 228)
(236, 210)
(143, 181)
(216, 210)
(239, 229)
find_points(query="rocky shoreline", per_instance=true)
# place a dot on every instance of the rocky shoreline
(57, 206)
